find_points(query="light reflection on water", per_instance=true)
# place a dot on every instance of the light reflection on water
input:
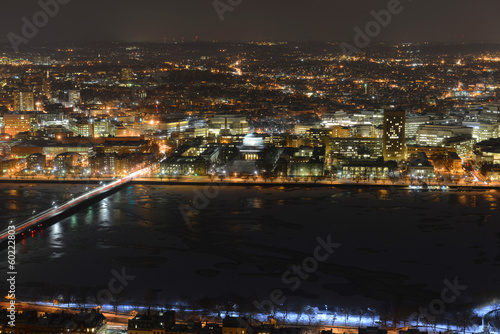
(14, 193)
(254, 202)
(383, 194)
(104, 210)
(137, 200)
(142, 220)
(74, 223)
(89, 217)
(472, 199)
(13, 205)
(56, 233)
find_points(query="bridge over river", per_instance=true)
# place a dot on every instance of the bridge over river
(48, 215)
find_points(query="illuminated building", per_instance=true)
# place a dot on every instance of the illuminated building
(184, 166)
(228, 125)
(363, 117)
(122, 131)
(483, 131)
(127, 74)
(457, 165)
(490, 113)
(435, 135)
(315, 135)
(364, 131)
(47, 87)
(64, 162)
(83, 128)
(73, 98)
(24, 101)
(16, 123)
(331, 119)
(412, 151)
(122, 147)
(254, 140)
(394, 135)
(249, 158)
(52, 150)
(126, 163)
(52, 119)
(307, 162)
(115, 164)
(421, 167)
(463, 145)
(366, 169)
(302, 129)
(104, 128)
(489, 156)
(354, 148)
(488, 152)
(174, 126)
(341, 132)
(36, 161)
(412, 125)
(493, 173)
(103, 163)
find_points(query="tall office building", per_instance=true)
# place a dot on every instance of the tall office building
(394, 134)
(24, 101)
(47, 86)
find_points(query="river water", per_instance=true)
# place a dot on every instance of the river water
(394, 244)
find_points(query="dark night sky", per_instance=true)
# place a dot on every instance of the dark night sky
(272, 20)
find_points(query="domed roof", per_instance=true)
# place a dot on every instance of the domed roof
(253, 140)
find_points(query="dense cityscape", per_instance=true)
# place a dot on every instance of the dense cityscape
(276, 111)
(265, 168)
(419, 115)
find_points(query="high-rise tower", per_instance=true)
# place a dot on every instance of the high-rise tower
(394, 134)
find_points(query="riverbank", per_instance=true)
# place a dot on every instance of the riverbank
(198, 181)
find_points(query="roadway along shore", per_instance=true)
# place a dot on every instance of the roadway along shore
(203, 180)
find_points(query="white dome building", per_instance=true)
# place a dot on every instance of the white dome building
(253, 140)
